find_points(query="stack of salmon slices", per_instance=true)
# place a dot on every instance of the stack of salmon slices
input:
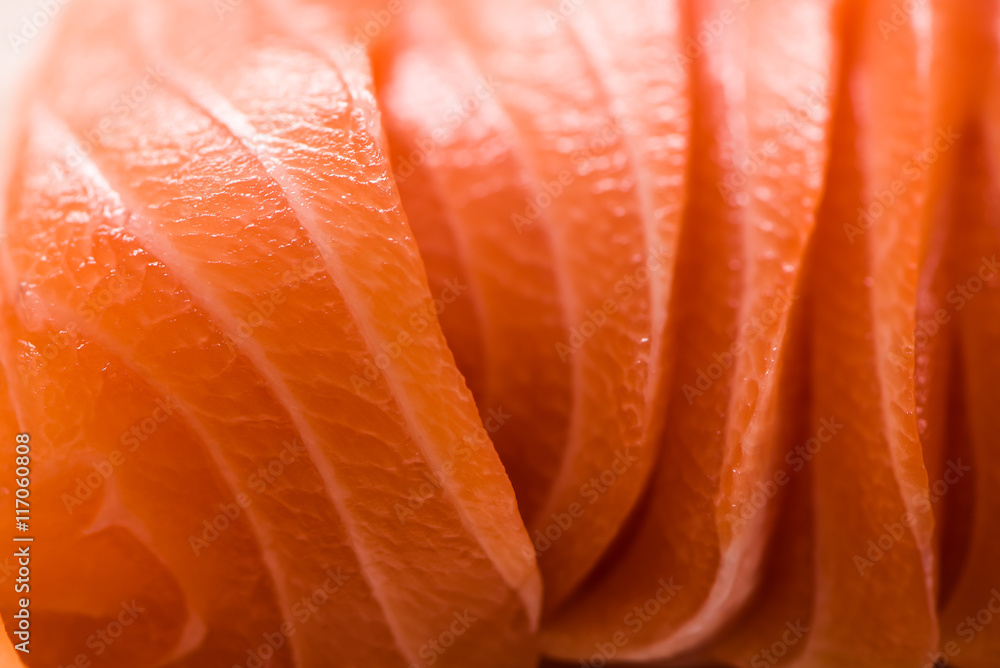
(503, 334)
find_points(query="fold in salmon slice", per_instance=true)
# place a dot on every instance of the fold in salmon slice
(933, 352)
(961, 219)
(780, 608)
(541, 157)
(873, 576)
(760, 152)
(213, 296)
(875, 587)
(958, 399)
(873, 572)
(965, 488)
(969, 492)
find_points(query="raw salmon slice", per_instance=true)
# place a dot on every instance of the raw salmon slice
(203, 227)
(716, 277)
(760, 150)
(875, 589)
(865, 478)
(541, 157)
(765, 633)
(966, 489)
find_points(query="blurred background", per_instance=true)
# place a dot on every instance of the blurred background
(24, 26)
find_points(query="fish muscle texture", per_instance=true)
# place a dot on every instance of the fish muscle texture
(564, 227)
(244, 334)
(700, 541)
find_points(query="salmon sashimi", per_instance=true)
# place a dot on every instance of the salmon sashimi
(965, 488)
(203, 266)
(501, 333)
(968, 489)
(563, 227)
(864, 289)
(704, 527)
(862, 299)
